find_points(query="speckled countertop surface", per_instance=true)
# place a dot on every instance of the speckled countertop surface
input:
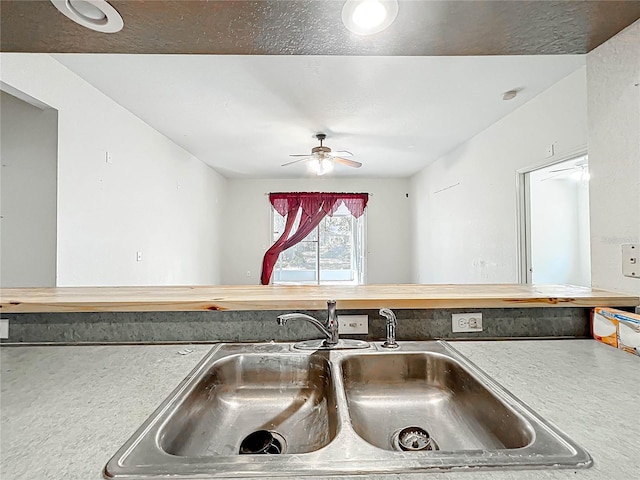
(66, 410)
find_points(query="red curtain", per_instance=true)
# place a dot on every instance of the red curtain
(313, 208)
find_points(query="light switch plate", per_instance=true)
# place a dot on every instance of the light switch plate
(631, 260)
(549, 150)
(353, 324)
(466, 322)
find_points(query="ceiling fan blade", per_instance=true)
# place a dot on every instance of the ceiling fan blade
(342, 153)
(348, 163)
(562, 170)
(300, 155)
(306, 157)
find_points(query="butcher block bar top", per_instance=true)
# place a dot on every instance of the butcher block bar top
(248, 297)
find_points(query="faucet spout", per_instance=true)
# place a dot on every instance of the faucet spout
(283, 319)
(330, 329)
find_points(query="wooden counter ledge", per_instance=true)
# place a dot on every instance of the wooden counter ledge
(248, 297)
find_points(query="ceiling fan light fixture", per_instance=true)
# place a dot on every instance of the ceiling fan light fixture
(321, 160)
(366, 17)
(96, 15)
(321, 166)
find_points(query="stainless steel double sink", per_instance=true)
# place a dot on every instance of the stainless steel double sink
(417, 408)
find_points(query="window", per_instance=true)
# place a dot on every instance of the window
(332, 254)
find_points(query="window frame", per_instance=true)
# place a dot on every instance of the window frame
(361, 232)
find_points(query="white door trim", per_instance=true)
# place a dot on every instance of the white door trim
(523, 223)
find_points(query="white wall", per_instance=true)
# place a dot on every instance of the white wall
(151, 196)
(248, 236)
(613, 79)
(465, 203)
(28, 147)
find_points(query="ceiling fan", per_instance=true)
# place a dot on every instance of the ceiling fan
(322, 159)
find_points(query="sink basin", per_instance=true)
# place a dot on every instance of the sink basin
(386, 393)
(421, 407)
(290, 395)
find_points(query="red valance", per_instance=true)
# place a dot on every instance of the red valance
(283, 203)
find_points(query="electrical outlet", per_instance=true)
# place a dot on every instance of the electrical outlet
(631, 260)
(466, 322)
(4, 328)
(353, 324)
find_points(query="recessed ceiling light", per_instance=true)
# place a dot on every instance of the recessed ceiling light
(97, 15)
(366, 17)
(369, 14)
(510, 95)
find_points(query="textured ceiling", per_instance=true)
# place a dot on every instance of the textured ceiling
(308, 27)
(285, 70)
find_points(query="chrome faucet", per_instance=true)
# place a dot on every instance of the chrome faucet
(392, 323)
(330, 328)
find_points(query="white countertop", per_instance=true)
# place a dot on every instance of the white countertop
(65, 411)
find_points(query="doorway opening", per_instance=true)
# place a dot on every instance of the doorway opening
(556, 237)
(28, 186)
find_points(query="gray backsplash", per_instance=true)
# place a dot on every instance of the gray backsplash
(211, 326)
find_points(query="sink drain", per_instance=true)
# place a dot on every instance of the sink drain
(263, 442)
(413, 439)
